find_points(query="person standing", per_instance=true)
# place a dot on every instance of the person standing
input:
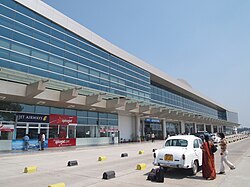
(26, 142)
(42, 141)
(39, 141)
(153, 137)
(113, 137)
(208, 167)
(224, 153)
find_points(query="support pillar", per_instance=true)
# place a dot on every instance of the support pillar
(182, 127)
(137, 128)
(164, 129)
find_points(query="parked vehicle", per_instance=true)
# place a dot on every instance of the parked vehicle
(201, 134)
(182, 151)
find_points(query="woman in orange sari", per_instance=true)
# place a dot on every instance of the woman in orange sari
(208, 168)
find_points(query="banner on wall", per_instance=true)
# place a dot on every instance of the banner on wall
(62, 142)
(38, 118)
(56, 119)
(33, 144)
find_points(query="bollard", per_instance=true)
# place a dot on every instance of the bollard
(72, 163)
(57, 185)
(141, 152)
(108, 175)
(102, 158)
(30, 169)
(141, 166)
(124, 155)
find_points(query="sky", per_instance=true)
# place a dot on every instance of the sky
(206, 43)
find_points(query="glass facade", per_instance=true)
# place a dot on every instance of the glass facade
(33, 44)
(166, 97)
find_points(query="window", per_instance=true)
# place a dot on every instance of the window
(177, 142)
(20, 48)
(196, 144)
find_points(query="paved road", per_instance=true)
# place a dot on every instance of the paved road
(52, 167)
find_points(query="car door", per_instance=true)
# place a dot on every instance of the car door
(197, 150)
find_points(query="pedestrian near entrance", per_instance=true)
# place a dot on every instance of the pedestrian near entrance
(39, 141)
(113, 137)
(224, 153)
(26, 142)
(42, 141)
(208, 167)
(153, 137)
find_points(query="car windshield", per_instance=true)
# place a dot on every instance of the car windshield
(177, 142)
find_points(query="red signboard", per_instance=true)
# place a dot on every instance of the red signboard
(57, 119)
(61, 142)
(6, 128)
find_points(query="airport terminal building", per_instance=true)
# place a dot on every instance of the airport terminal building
(61, 79)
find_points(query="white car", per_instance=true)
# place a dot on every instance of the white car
(182, 151)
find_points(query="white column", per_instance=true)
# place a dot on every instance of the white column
(212, 128)
(205, 129)
(137, 128)
(195, 128)
(164, 129)
(182, 127)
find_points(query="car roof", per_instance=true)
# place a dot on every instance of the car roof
(187, 137)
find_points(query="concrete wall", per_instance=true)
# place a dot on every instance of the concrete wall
(126, 126)
(5, 145)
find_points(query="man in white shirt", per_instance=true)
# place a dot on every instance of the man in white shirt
(43, 141)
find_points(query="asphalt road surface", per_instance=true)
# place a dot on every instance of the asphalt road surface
(52, 167)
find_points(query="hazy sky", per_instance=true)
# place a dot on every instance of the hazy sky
(207, 43)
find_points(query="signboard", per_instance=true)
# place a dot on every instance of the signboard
(38, 118)
(103, 130)
(149, 120)
(6, 128)
(62, 142)
(56, 119)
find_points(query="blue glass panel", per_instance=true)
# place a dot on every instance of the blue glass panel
(55, 68)
(5, 32)
(25, 11)
(81, 113)
(4, 53)
(42, 109)
(19, 58)
(38, 72)
(41, 27)
(57, 34)
(41, 36)
(70, 112)
(7, 12)
(7, 22)
(54, 110)
(39, 63)
(9, 3)
(24, 19)
(21, 38)
(28, 108)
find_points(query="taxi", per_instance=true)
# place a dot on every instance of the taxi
(181, 151)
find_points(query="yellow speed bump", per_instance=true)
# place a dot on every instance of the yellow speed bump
(141, 166)
(141, 152)
(102, 158)
(30, 169)
(57, 185)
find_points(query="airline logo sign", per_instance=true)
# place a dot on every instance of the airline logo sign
(38, 118)
(56, 119)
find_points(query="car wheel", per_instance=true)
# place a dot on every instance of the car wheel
(194, 169)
